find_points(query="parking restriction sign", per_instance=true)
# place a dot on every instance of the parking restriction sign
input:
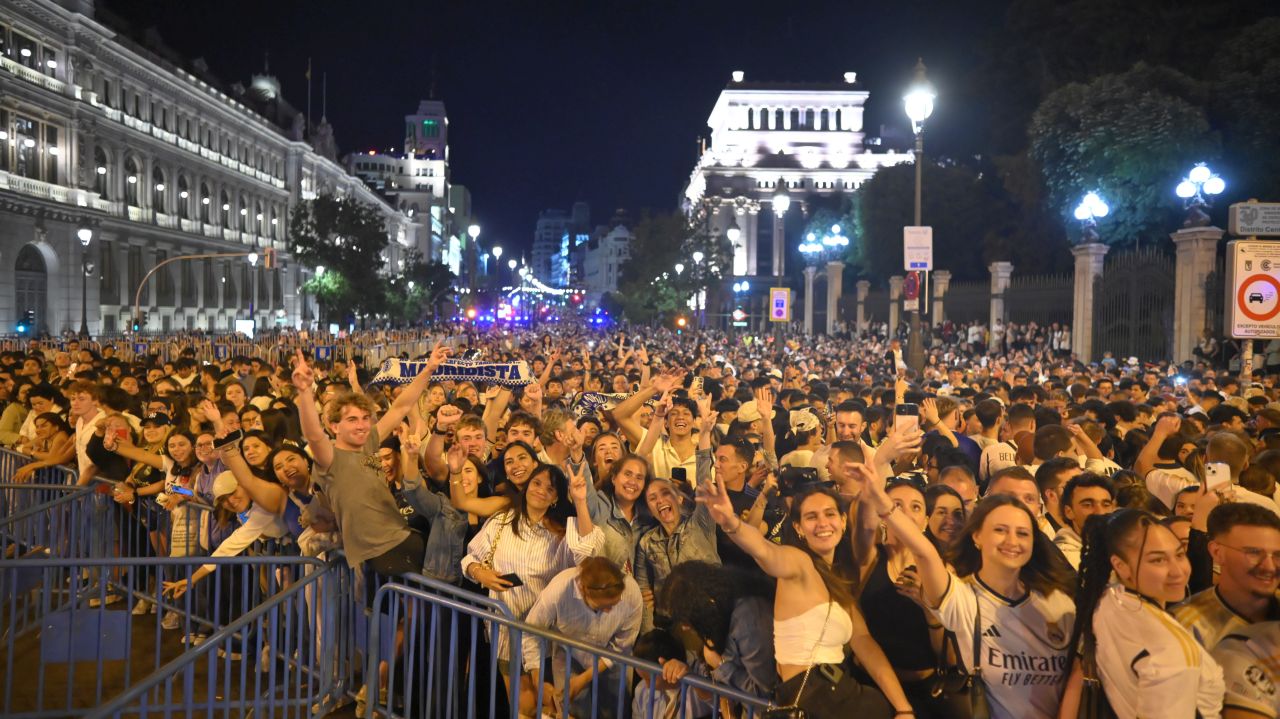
(779, 304)
(1254, 286)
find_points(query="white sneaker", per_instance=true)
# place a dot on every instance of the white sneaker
(143, 607)
(171, 620)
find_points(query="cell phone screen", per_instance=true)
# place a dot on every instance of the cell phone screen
(680, 474)
(513, 578)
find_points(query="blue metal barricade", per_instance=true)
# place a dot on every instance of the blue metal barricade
(78, 631)
(430, 657)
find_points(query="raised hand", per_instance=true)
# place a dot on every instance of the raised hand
(764, 402)
(578, 483)
(571, 437)
(929, 411)
(439, 355)
(304, 378)
(668, 381)
(897, 445)
(211, 413)
(456, 457)
(1167, 426)
(872, 486)
(533, 391)
(448, 416)
(707, 420)
(714, 495)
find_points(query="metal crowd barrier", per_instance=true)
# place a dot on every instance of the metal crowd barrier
(71, 643)
(439, 663)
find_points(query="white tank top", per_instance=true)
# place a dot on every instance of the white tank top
(795, 639)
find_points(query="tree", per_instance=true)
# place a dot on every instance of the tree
(348, 239)
(418, 289)
(1245, 80)
(954, 202)
(649, 288)
(1129, 136)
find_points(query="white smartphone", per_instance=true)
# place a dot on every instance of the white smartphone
(1217, 475)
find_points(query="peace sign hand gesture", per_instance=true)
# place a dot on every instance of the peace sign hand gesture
(303, 376)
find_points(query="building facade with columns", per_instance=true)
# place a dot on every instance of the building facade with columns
(806, 138)
(157, 161)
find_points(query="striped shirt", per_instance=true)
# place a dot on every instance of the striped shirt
(536, 555)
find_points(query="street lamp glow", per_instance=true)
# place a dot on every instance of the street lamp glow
(697, 256)
(733, 232)
(473, 231)
(812, 238)
(918, 101)
(85, 235)
(1091, 206)
(1215, 185)
(253, 259)
(1199, 174)
(319, 270)
(679, 268)
(410, 285)
(1186, 189)
(511, 263)
(781, 200)
(497, 252)
(835, 229)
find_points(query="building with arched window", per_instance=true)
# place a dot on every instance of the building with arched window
(159, 161)
(805, 137)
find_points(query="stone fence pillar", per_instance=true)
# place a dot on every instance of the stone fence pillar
(941, 281)
(1000, 273)
(835, 291)
(1089, 264)
(864, 289)
(1197, 249)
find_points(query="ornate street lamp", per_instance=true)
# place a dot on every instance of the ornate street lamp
(1199, 182)
(85, 235)
(918, 103)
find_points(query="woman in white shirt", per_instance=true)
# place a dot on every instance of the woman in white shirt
(547, 531)
(1148, 663)
(1007, 583)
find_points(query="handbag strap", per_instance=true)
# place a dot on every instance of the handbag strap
(977, 633)
(805, 679)
(493, 547)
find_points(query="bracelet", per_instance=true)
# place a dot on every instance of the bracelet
(885, 516)
(736, 529)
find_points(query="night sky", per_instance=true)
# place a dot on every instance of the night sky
(555, 101)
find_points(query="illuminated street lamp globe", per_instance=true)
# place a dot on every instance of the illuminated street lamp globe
(497, 252)
(511, 264)
(697, 257)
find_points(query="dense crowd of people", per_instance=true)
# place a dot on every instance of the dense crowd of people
(1010, 533)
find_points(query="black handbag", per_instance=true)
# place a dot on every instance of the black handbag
(794, 710)
(950, 678)
(1093, 699)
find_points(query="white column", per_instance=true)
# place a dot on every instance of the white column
(809, 273)
(786, 118)
(1089, 264)
(1196, 248)
(895, 303)
(941, 280)
(864, 289)
(750, 239)
(1000, 273)
(835, 290)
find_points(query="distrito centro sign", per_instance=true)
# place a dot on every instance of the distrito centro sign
(1254, 286)
(1254, 219)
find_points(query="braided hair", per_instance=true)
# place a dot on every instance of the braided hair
(1104, 537)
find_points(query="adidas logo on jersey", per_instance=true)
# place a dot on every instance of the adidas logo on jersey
(992, 632)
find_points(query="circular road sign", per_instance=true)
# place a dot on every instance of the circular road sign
(1259, 297)
(911, 285)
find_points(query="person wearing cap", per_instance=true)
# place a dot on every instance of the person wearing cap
(596, 603)
(806, 430)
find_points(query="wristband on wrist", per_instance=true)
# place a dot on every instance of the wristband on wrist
(885, 515)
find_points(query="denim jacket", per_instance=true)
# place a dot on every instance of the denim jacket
(620, 533)
(446, 541)
(694, 538)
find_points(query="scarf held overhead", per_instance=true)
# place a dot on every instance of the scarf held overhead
(507, 374)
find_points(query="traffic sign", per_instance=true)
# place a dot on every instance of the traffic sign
(911, 292)
(779, 304)
(139, 348)
(1254, 283)
(324, 352)
(917, 248)
(1254, 219)
(221, 352)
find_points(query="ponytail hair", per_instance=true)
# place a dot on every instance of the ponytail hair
(1104, 536)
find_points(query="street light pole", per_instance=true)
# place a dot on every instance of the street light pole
(781, 203)
(473, 258)
(919, 106)
(85, 235)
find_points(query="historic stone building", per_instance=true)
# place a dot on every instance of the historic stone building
(155, 160)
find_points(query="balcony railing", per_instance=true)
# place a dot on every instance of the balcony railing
(34, 76)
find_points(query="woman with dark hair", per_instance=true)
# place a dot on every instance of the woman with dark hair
(1007, 594)
(547, 530)
(945, 509)
(886, 568)
(815, 616)
(256, 447)
(730, 614)
(1149, 665)
(519, 460)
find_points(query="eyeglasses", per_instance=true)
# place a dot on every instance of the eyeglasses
(1255, 555)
